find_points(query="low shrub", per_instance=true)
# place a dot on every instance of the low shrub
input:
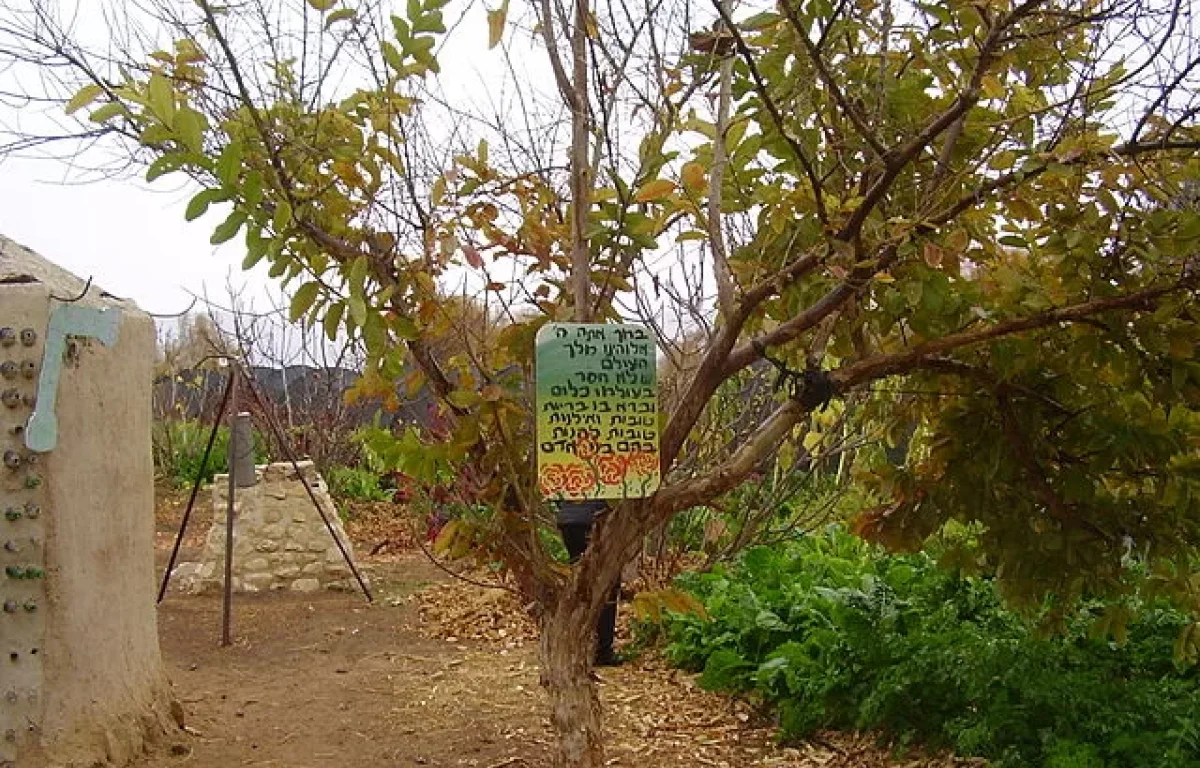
(836, 634)
(357, 484)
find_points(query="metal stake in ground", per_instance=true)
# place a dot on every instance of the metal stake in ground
(227, 601)
(187, 513)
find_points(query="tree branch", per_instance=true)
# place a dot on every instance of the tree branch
(760, 87)
(716, 234)
(849, 376)
(836, 298)
(814, 55)
(897, 158)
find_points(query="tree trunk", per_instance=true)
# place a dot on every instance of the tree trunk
(567, 645)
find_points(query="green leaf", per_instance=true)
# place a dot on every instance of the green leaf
(358, 275)
(761, 21)
(403, 32)
(157, 133)
(168, 163)
(108, 112)
(392, 56)
(374, 332)
(496, 20)
(341, 14)
(283, 216)
(161, 96)
(198, 205)
(226, 230)
(322, 5)
(462, 398)
(84, 96)
(302, 300)
(189, 128)
(256, 246)
(252, 189)
(430, 22)
(332, 321)
(358, 309)
(406, 328)
(229, 165)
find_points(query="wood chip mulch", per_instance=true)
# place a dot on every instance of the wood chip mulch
(655, 715)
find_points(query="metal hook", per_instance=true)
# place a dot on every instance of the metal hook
(86, 287)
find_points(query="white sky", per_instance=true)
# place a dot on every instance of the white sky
(131, 237)
(133, 240)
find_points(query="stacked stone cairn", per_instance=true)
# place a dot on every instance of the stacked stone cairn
(279, 540)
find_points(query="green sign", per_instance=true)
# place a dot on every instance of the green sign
(597, 412)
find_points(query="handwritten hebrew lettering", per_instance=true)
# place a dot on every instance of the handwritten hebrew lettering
(597, 412)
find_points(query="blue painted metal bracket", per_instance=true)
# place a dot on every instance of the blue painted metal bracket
(104, 325)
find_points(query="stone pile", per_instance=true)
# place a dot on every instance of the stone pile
(279, 540)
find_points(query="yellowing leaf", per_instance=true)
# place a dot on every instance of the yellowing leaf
(693, 177)
(1180, 348)
(496, 20)
(491, 393)
(653, 191)
(992, 87)
(933, 254)
(1023, 209)
(958, 240)
(445, 538)
(1002, 161)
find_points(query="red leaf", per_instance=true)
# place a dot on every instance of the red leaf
(473, 257)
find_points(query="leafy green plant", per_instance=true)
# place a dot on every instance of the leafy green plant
(179, 449)
(355, 483)
(836, 634)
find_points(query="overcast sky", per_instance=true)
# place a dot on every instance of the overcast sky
(132, 237)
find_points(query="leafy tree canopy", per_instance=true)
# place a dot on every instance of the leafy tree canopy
(972, 222)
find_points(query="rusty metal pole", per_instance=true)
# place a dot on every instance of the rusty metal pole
(227, 602)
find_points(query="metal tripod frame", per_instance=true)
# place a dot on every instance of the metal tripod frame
(230, 398)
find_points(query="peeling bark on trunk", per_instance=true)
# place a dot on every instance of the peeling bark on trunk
(566, 659)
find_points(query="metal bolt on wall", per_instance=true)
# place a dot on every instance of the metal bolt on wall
(22, 586)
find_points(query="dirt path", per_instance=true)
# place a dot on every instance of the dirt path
(327, 680)
(431, 674)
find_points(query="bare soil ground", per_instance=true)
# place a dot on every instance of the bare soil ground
(433, 673)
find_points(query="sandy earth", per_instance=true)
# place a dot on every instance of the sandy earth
(430, 674)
